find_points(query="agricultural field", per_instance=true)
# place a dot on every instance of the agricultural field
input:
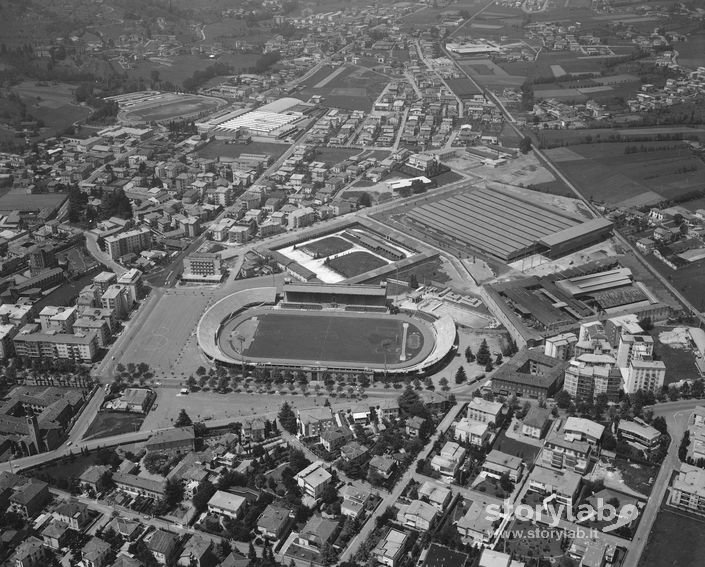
(350, 88)
(554, 138)
(355, 263)
(607, 173)
(332, 156)
(689, 280)
(219, 148)
(691, 53)
(52, 103)
(177, 69)
(463, 87)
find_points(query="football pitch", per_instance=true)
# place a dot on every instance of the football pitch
(322, 337)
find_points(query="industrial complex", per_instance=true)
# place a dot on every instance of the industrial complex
(506, 226)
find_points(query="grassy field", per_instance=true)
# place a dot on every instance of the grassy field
(353, 88)
(675, 540)
(219, 148)
(689, 280)
(356, 263)
(605, 173)
(373, 340)
(690, 53)
(70, 468)
(327, 246)
(52, 103)
(176, 69)
(107, 424)
(332, 156)
(680, 363)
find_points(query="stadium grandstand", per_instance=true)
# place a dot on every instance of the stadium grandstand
(336, 294)
(506, 225)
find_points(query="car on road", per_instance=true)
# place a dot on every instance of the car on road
(69, 443)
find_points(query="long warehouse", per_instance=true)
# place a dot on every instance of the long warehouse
(502, 224)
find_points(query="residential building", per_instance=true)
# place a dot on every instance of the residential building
(317, 532)
(353, 452)
(354, 500)
(56, 534)
(104, 280)
(95, 553)
(484, 411)
(198, 552)
(586, 381)
(30, 553)
(449, 460)
(29, 497)
(7, 332)
(688, 490)
(177, 440)
(83, 348)
(162, 545)
(476, 525)
(563, 485)
(72, 513)
(334, 438)
(226, 504)
(498, 463)
(581, 429)
(203, 266)
(390, 548)
(561, 346)
(132, 280)
(529, 373)
(644, 374)
(139, 486)
(641, 345)
(126, 242)
(274, 521)
(565, 450)
(419, 515)
(116, 298)
(639, 434)
(536, 422)
(311, 422)
(414, 425)
(476, 433)
(57, 319)
(313, 480)
(490, 558)
(435, 494)
(382, 465)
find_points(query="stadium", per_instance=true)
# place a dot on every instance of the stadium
(154, 106)
(321, 328)
(501, 223)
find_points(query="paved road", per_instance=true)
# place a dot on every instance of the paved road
(102, 257)
(676, 415)
(391, 498)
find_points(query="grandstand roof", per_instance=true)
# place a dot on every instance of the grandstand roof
(336, 289)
